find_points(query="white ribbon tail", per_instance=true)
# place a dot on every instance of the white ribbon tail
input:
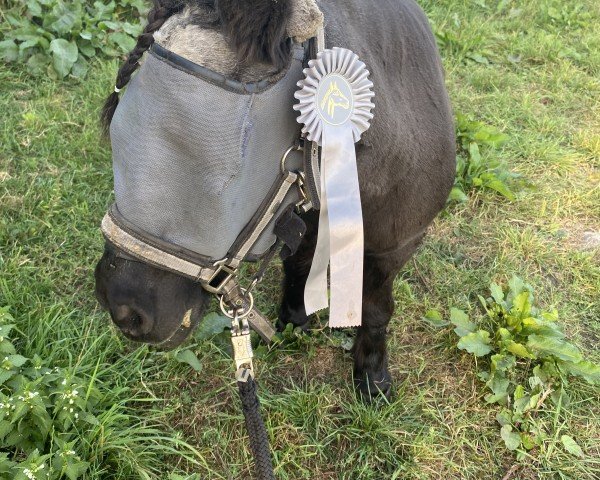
(315, 292)
(341, 238)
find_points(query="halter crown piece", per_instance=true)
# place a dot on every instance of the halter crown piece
(335, 103)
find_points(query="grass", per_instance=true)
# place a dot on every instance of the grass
(530, 68)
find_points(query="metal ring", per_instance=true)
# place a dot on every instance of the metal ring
(293, 148)
(227, 313)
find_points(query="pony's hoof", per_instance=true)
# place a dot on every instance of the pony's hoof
(297, 318)
(373, 386)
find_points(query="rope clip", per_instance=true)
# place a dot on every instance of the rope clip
(242, 347)
(243, 375)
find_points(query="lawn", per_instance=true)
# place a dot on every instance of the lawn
(531, 69)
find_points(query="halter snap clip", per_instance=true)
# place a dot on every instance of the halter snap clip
(242, 347)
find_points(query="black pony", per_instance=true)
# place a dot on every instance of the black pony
(406, 165)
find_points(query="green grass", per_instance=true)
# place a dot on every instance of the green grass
(531, 69)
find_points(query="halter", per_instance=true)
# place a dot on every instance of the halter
(231, 151)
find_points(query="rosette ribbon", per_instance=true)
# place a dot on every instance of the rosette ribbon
(335, 103)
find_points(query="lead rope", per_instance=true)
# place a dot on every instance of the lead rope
(240, 333)
(257, 432)
(242, 354)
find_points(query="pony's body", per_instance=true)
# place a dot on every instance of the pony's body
(405, 161)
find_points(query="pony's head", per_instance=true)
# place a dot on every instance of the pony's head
(149, 304)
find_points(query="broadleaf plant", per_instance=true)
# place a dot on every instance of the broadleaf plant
(477, 168)
(59, 38)
(527, 360)
(42, 412)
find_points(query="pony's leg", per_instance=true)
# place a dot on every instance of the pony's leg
(296, 269)
(371, 374)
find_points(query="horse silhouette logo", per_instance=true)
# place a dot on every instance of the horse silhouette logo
(334, 98)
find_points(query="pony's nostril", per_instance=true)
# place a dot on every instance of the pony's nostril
(131, 321)
(135, 321)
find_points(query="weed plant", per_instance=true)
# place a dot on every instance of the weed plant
(58, 38)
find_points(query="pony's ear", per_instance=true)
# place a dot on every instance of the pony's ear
(257, 29)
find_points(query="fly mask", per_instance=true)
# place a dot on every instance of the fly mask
(195, 155)
(205, 171)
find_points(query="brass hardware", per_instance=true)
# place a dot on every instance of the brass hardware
(243, 375)
(242, 345)
(219, 279)
(304, 204)
(240, 312)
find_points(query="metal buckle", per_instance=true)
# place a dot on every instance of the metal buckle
(239, 311)
(304, 204)
(216, 276)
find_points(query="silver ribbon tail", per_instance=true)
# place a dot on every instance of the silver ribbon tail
(340, 241)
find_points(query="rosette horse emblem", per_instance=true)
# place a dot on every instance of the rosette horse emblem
(335, 103)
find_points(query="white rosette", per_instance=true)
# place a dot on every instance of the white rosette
(338, 62)
(335, 103)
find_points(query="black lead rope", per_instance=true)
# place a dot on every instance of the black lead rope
(242, 355)
(257, 432)
(289, 230)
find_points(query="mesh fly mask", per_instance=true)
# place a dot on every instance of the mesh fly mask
(205, 169)
(195, 154)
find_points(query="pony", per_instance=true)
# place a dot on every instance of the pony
(406, 161)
